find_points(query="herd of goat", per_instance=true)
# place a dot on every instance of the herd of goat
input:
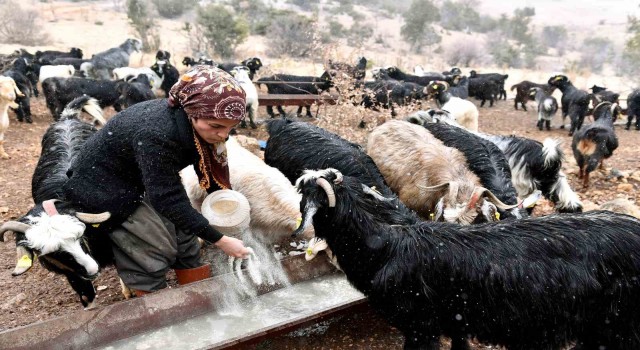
(431, 220)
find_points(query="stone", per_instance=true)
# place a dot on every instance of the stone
(625, 187)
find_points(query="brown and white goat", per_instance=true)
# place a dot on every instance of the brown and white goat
(429, 177)
(8, 94)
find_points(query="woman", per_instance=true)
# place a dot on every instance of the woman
(130, 168)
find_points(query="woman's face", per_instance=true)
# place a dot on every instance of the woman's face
(213, 130)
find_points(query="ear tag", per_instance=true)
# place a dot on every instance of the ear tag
(432, 216)
(24, 261)
(95, 225)
(497, 216)
(298, 222)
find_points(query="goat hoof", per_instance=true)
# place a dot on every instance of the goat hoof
(561, 126)
(253, 125)
(28, 120)
(571, 134)
(626, 127)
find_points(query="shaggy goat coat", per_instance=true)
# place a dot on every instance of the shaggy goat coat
(536, 283)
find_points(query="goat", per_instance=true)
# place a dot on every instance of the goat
(52, 229)
(167, 72)
(497, 78)
(241, 74)
(357, 72)
(484, 89)
(459, 87)
(103, 63)
(547, 106)
(134, 91)
(47, 57)
(274, 202)
(429, 177)
(464, 112)
(60, 91)
(395, 73)
(253, 64)
(523, 89)
(296, 146)
(8, 94)
(64, 71)
(595, 142)
(535, 283)
(18, 73)
(601, 94)
(633, 109)
(537, 166)
(190, 62)
(575, 103)
(296, 85)
(75, 62)
(121, 73)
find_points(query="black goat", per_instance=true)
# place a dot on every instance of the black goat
(18, 72)
(595, 142)
(103, 63)
(536, 283)
(190, 62)
(166, 71)
(459, 87)
(633, 109)
(296, 146)
(60, 91)
(75, 62)
(69, 247)
(397, 74)
(522, 92)
(601, 94)
(483, 89)
(575, 103)
(134, 90)
(253, 63)
(47, 57)
(295, 85)
(497, 78)
(538, 166)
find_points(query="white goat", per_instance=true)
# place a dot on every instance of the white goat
(275, 204)
(464, 112)
(61, 71)
(8, 93)
(241, 73)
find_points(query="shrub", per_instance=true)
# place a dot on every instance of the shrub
(359, 34)
(140, 16)
(222, 30)
(459, 15)
(464, 53)
(503, 53)
(595, 52)
(292, 35)
(20, 26)
(417, 30)
(173, 8)
(554, 36)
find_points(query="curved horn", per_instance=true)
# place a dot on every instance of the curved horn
(439, 187)
(93, 218)
(492, 197)
(322, 182)
(24, 261)
(339, 178)
(15, 226)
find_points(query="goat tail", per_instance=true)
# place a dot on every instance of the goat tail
(87, 103)
(551, 152)
(514, 86)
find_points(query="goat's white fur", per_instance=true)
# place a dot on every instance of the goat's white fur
(8, 93)
(62, 232)
(463, 112)
(275, 204)
(61, 71)
(241, 74)
(123, 72)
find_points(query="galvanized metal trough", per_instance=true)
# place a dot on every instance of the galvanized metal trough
(191, 316)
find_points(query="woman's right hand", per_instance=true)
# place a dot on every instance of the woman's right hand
(233, 247)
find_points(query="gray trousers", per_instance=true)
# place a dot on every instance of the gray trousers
(147, 245)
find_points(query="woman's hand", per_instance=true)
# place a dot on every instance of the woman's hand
(233, 247)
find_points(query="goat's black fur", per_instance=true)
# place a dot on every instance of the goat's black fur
(60, 91)
(295, 85)
(536, 283)
(483, 89)
(522, 92)
(633, 109)
(575, 103)
(497, 78)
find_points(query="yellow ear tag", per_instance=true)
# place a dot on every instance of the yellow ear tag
(309, 251)
(25, 261)
(298, 222)
(432, 216)
(435, 87)
(497, 216)
(95, 225)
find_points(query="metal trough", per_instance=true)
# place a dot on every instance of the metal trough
(155, 315)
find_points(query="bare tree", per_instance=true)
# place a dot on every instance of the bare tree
(20, 26)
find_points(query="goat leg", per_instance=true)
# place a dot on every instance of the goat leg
(3, 154)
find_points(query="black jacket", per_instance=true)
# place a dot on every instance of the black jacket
(139, 153)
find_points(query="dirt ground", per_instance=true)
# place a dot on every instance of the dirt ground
(40, 295)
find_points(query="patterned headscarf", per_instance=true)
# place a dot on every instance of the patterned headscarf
(206, 92)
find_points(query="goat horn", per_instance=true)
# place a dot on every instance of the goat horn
(498, 202)
(339, 178)
(15, 226)
(24, 261)
(322, 182)
(434, 188)
(93, 218)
